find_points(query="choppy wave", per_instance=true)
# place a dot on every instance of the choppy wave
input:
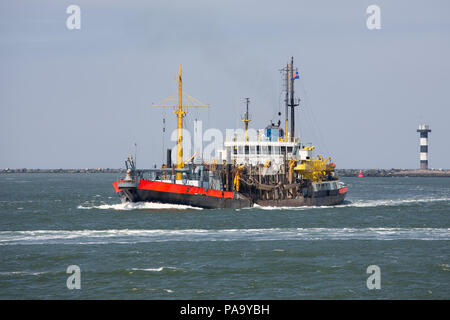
(444, 267)
(272, 234)
(156, 269)
(362, 204)
(21, 273)
(139, 206)
(349, 203)
(393, 202)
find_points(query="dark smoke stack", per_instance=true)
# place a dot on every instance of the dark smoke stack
(169, 158)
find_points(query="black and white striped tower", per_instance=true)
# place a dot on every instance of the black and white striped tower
(424, 129)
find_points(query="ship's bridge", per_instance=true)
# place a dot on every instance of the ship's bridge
(262, 151)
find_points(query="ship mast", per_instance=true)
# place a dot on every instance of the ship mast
(180, 114)
(292, 103)
(246, 119)
(286, 138)
(180, 110)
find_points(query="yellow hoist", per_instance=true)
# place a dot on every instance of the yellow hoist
(315, 170)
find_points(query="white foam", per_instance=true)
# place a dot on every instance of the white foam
(359, 204)
(444, 267)
(154, 269)
(24, 273)
(149, 269)
(256, 206)
(271, 234)
(139, 206)
(393, 202)
(352, 203)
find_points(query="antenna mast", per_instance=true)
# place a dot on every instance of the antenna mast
(246, 119)
(135, 154)
(292, 102)
(286, 101)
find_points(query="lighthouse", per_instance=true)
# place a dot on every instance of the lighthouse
(423, 130)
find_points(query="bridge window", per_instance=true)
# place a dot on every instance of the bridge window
(276, 150)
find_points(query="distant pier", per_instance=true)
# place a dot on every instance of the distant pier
(86, 170)
(393, 173)
(339, 172)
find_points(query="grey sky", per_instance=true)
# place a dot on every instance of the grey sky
(81, 98)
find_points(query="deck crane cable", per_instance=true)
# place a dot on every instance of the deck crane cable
(315, 128)
(163, 135)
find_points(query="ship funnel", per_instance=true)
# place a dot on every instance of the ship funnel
(169, 158)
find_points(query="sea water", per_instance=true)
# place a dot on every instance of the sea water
(49, 222)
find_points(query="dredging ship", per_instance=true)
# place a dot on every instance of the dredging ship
(274, 169)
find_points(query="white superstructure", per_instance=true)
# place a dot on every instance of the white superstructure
(262, 151)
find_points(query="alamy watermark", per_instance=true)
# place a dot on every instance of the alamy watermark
(73, 21)
(374, 280)
(208, 143)
(74, 280)
(374, 19)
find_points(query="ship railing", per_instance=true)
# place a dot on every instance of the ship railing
(170, 174)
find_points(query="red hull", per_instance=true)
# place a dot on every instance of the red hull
(156, 191)
(164, 192)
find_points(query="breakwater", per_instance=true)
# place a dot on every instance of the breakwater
(392, 173)
(339, 172)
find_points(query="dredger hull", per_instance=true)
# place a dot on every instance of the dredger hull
(153, 191)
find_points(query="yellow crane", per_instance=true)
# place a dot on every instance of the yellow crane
(180, 110)
(315, 170)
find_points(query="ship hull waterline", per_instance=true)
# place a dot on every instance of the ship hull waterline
(198, 197)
